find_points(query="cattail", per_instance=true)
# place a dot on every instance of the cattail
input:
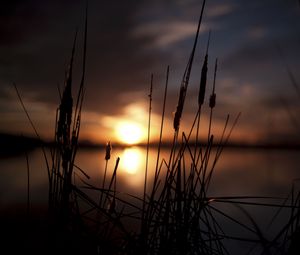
(203, 77)
(108, 151)
(186, 77)
(107, 157)
(66, 105)
(179, 108)
(203, 82)
(212, 99)
(65, 113)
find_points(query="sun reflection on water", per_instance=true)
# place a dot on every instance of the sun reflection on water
(131, 160)
(132, 168)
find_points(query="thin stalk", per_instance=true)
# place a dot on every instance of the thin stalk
(81, 88)
(172, 149)
(80, 96)
(103, 183)
(107, 157)
(212, 102)
(175, 148)
(157, 170)
(147, 155)
(201, 96)
(35, 131)
(28, 185)
(162, 121)
(197, 131)
(112, 181)
(59, 91)
(220, 148)
(180, 153)
(186, 78)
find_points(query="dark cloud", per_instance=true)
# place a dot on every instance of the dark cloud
(38, 47)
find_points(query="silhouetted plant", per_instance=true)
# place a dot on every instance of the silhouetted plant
(177, 216)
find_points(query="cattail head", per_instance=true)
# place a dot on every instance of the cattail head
(108, 151)
(179, 108)
(203, 82)
(203, 76)
(66, 105)
(65, 114)
(212, 99)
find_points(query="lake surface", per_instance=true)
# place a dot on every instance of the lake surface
(239, 172)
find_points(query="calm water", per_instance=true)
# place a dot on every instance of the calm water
(239, 172)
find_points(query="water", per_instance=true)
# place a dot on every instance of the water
(239, 172)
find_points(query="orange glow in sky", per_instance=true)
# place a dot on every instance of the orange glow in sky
(129, 132)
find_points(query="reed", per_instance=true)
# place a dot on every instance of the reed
(201, 95)
(177, 216)
(28, 184)
(107, 158)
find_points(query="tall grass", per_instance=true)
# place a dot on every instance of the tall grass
(177, 216)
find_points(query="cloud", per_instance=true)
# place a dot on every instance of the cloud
(168, 33)
(36, 61)
(257, 33)
(220, 9)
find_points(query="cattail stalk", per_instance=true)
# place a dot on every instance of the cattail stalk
(183, 89)
(81, 88)
(212, 99)
(107, 157)
(79, 101)
(162, 120)
(28, 185)
(201, 95)
(63, 137)
(203, 80)
(147, 156)
(186, 77)
(113, 181)
(157, 168)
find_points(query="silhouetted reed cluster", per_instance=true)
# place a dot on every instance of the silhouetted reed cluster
(175, 215)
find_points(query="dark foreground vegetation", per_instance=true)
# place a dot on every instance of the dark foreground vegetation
(175, 215)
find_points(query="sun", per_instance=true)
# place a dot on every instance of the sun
(129, 132)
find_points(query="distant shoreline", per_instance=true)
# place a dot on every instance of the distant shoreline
(17, 144)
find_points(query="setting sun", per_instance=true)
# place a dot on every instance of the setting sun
(129, 132)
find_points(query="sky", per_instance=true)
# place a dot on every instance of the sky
(257, 44)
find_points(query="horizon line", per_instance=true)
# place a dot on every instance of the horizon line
(11, 140)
